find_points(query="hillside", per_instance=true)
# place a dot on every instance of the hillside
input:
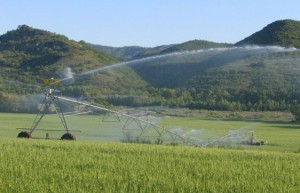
(252, 74)
(121, 53)
(194, 45)
(185, 46)
(129, 52)
(195, 74)
(27, 55)
(38, 52)
(35, 48)
(281, 33)
(136, 52)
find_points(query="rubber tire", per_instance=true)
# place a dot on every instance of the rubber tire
(24, 134)
(68, 136)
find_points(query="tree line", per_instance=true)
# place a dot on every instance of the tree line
(179, 97)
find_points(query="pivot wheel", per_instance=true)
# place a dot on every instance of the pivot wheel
(24, 134)
(67, 136)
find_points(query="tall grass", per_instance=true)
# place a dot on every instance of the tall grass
(66, 166)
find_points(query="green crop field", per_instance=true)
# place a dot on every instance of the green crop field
(76, 166)
(92, 165)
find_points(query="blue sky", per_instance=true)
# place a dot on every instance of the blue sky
(147, 22)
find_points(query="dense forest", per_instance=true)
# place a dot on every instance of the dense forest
(282, 32)
(196, 74)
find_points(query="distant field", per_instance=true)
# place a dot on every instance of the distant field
(281, 135)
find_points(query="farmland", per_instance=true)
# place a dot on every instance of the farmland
(282, 136)
(68, 166)
(92, 165)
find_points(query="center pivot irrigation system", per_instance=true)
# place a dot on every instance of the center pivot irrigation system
(142, 128)
(52, 101)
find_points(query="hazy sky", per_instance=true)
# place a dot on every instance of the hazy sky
(147, 22)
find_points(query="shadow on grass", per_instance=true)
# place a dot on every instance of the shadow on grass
(288, 127)
(230, 119)
(282, 124)
(277, 124)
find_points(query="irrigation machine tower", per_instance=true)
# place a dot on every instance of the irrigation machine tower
(53, 101)
(50, 100)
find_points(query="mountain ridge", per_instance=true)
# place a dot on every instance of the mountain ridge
(142, 52)
(284, 33)
(230, 78)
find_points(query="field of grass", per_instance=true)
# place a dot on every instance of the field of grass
(91, 127)
(92, 165)
(281, 135)
(76, 166)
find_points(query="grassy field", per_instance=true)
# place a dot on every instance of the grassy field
(281, 135)
(76, 166)
(92, 165)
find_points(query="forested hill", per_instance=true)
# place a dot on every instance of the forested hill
(194, 45)
(130, 52)
(122, 53)
(28, 55)
(136, 52)
(33, 49)
(282, 33)
(215, 76)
